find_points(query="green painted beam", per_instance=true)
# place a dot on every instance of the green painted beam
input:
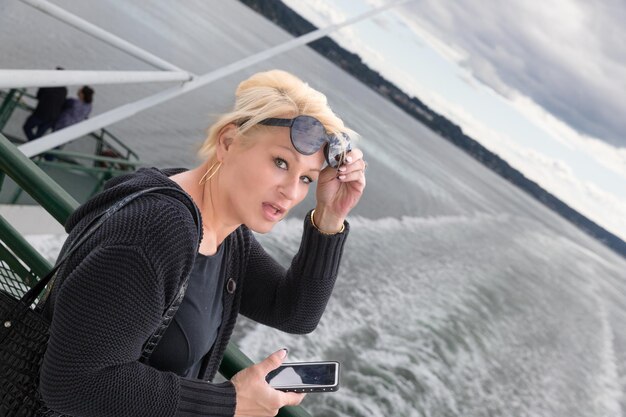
(9, 260)
(23, 250)
(79, 155)
(35, 182)
(11, 100)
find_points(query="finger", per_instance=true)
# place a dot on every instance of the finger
(356, 175)
(359, 165)
(354, 156)
(292, 398)
(356, 180)
(272, 362)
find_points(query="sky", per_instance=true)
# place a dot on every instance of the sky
(541, 84)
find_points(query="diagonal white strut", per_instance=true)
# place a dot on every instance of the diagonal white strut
(53, 78)
(101, 34)
(125, 111)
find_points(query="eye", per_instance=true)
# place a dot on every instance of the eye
(281, 163)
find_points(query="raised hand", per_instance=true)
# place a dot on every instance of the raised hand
(338, 191)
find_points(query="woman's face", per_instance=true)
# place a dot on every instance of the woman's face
(265, 177)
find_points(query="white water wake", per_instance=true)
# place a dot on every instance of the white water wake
(459, 316)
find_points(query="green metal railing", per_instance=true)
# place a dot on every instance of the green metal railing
(12, 99)
(104, 138)
(35, 182)
(27, 263)
(109, 158)
(21, 249)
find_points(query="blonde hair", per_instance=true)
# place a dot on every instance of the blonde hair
(269, 94)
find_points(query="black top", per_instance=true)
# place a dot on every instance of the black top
(110, 295)
(50, 103)
(193, 330)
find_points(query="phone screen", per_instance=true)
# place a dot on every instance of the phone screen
(309, 375)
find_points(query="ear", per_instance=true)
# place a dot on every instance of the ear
(225, 140)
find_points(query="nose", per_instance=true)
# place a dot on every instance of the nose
(289, 188)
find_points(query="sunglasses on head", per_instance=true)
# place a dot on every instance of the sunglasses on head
(308, 135)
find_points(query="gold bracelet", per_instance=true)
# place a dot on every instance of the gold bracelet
(343, 227)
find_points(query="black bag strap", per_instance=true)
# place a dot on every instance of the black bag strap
(31, 295)
(171, 310)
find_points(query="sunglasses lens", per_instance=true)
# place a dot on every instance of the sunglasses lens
(307, 134)
(336, 150)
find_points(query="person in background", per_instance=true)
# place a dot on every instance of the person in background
(50, 101)
(75, 109)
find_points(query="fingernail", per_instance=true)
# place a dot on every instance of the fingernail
(342, 169)
(342, 177)
(285, 352)
(349, 159)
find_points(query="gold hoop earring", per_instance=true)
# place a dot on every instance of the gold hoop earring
(204, 177)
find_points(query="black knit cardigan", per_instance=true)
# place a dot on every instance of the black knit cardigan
(110, 295)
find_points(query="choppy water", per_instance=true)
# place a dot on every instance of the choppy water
(458, 294)
(484, 315)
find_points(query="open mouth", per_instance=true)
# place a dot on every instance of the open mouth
(273, 210)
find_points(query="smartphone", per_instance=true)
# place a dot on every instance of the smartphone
(305, 377)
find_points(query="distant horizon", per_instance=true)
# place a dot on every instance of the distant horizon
(584, 172)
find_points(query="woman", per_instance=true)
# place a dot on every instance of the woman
(75, 110)
(260, 161)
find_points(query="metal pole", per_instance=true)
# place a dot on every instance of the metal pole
(35, 182)
(123, 112)
(8, 105)
(101, 34)
(53, 78)
(23, 250)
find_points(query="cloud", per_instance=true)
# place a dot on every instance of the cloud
(606, 209)
(515, 64)
(323, 13)
(554, 175)
(548, 65)
(607, 155)
(319, 12)
(567, 56)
